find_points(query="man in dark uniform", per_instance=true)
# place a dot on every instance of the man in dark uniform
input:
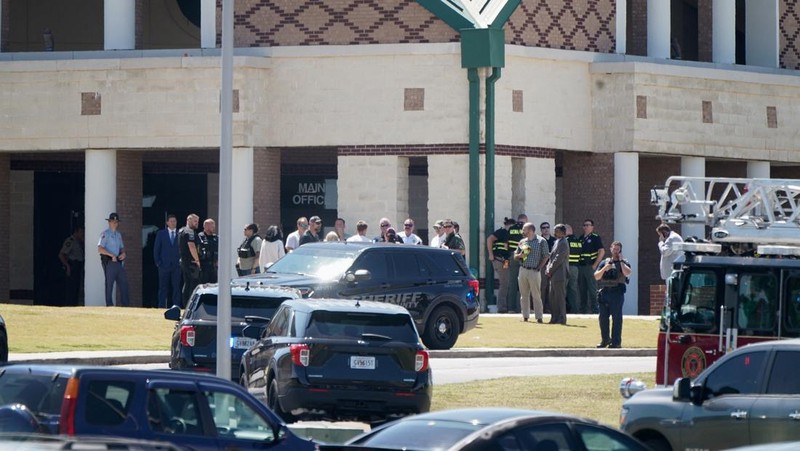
(544, 230)
(497, 246)
(573, 299)
(71, 256)
(592, 254)
(208, 250)
(190, 261)
(312, 234)
(514, 237)
(612, 276)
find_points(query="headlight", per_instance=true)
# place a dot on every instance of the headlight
(630, 386)
(623, 415)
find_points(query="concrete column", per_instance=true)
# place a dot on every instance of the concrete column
(658, 28)
(622, 26)
(119, 24)
(208, 24)
(761, 33)
(758, 169)
(723, 31)
(100, 200)
(694, 167)
(242, 202)
(626, 221)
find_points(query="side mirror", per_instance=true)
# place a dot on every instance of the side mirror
(681, 389)
(697, 394)
(173, 313)
(358, 275)
(253, 331)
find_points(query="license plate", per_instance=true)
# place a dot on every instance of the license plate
(243, 342)
(362, 363)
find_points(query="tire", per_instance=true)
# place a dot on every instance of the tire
(3, 346)
(274, 405)
(441, 329)
(657, 444)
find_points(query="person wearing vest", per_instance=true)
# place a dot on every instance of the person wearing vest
(592, 253)
(612, 276)
(497, 246)
(249, 251)
(573, 299)
(514, 237)
(190, 261)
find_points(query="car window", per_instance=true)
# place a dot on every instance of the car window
(322, 262)
(545, 437)
(374, 262)
(241, 306)
(324, 324)
(792, 310)
(447, 264)
(418, 434)
(108, 402)
(697, 310)
(600, 439)
(39, 393)
(279, 325)
(757, 302)
(738, 375)
(234, 418)
(783, 379)
(173, 411)
(407, 266)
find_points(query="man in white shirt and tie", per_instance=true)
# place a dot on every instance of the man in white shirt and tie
(167, 258)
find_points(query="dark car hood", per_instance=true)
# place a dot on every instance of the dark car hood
(285, 280)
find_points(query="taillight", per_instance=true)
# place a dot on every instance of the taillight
(300, 354)
(421, 361)
(187, 335)
(66, 423)
(476, 286)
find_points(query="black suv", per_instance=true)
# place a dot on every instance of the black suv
(339, 359)
(433, 284)
(194, 340)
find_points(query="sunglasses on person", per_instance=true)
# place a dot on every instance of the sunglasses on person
(384, 225)
(448, 226)
(408, 226)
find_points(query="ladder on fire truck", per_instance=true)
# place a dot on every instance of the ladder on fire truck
(744, 214)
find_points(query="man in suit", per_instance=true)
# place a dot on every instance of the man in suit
(167, 260)
(558, 272)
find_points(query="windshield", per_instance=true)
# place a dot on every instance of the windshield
(696, 310)
(329, 264)
(419, 434)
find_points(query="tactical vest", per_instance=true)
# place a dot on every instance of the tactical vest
(514, 236)
(575, 247)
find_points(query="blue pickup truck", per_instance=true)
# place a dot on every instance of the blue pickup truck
(189, 410)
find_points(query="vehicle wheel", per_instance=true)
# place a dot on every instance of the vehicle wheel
(3, 346)
(274, 405)
(441, 330)
(657, 444)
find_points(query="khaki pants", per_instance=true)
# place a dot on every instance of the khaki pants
(502, 289)
(530, 286)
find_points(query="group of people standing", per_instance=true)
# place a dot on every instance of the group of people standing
(559, 273)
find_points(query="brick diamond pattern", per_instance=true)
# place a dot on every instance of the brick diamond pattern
(567, 24)
(789, 26)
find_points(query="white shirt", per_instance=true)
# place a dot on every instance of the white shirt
(293, 240)
(271, 251)
(359, 239)
(410, 239)
(437, 240)
(668, 253)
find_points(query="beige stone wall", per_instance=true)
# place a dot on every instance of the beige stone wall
(368, 189)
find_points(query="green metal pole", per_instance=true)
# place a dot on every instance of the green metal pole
(474, 167)
(489, 176)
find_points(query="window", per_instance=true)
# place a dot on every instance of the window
(374, 262)
(757, 302)
(398, 327)
(234, 418)
(546, 437)
(406, 266)
(698, 307)
(172, 411)
(792, 307)
(738, 375)
(279, 325)
(598, 439)
(107, 402)
(783, 380)
(240, 306)
(448, 264)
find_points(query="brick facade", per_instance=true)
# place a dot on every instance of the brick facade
(585, 26)
(592, 195)
(789, 30)
(5, 24)
(129, 207)
(267, 187)
(705, 27)
(5, 223)
(636, 33)
(443, 149)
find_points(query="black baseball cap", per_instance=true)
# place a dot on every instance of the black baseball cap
(113, 217)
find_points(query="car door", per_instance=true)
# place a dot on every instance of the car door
(776, 414)
(730, 389)
(375, 288)
(261, 354)
(175, 414)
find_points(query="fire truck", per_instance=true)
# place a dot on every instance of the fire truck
(738, 284)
